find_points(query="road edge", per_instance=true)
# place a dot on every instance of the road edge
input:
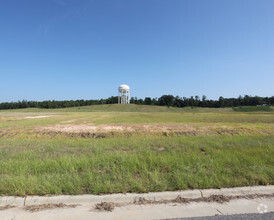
(133, 197)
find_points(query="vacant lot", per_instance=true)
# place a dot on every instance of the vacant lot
(115, 148)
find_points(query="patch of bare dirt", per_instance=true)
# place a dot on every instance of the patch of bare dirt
(40, 116)
(37, 208)
(68, 121)
(161, 149)
(68, 128)
(164, 129)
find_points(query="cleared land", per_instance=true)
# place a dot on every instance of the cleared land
(115, 148)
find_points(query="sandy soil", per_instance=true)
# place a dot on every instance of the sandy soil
(41, 116)
(188, 129)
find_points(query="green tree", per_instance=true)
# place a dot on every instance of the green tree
(147, 101)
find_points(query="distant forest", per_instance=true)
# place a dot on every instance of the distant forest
(165, 100)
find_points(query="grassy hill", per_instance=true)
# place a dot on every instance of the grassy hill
(144, 108)
(140, 108)
(122, 108)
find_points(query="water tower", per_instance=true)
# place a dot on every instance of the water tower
(123, 94)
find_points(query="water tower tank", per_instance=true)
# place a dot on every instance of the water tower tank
(123, 94)
(123, 88)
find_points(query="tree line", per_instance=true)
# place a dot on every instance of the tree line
(164, 100)
(196, 101)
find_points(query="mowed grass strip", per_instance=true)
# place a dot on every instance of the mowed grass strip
(31, 166)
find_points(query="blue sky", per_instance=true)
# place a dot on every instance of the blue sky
(84, 49)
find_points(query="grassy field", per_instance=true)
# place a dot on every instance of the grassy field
(117, 148)
(120, 108)
(253, 109)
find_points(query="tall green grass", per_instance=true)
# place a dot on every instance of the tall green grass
(77, 165)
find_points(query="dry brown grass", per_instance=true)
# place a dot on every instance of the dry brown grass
(37, 208)
(105, 206)
(6, 207)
